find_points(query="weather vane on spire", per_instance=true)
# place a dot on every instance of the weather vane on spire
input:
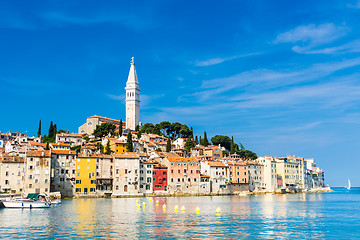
(132, 59)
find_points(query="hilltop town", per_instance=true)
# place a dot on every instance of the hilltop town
(110, 157)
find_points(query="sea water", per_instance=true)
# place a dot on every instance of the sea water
(333, 215)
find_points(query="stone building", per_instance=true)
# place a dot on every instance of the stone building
(126, 174)
(37, 173)
(63, 173)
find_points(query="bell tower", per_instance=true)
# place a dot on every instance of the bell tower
(132, 98)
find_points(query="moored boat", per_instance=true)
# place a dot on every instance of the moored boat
(30, 203)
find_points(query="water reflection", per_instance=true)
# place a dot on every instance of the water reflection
(242, 217)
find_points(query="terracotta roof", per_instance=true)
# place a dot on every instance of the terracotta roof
(88, 147)
(181, 159)
(60, 144)
(215, 164)
(105, 118)
(12, 159)
(45, 153)
(37, 144)
(101, 156)
(127, 155)
(71, 135)
(71, 152)
(203, 175)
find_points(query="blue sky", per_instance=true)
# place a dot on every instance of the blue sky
(281, 77)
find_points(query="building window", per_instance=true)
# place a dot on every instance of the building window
(93, 182)
(78, 181)
(78, 190)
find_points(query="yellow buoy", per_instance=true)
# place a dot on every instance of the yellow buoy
(182, 209)
(144, 204)
(176, 208)
(138, 206)
(150, 200)
(218, 211)
(197, 210)
(137, 201)
(164, 206)
(157, 202)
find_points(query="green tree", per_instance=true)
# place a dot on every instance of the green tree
(120, 128)
(148, 128)
(232, 147)
(129, 145)
(168, 145)
(86, 138)
(47, 146)
(192, 133)
(108, 149)
(61, 131)
(225, 153)
(189, 144)
(224, 141)
(247, 155)
(39, 130)
(196, 140)
(204, 142)
(76, 148)
(165, 127)
(185, 131)
(104, 129)
(139, 134)
(100, 147)
(137, 128)
(51, 130)
(175, 130)
(54, 133)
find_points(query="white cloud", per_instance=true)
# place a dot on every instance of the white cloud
(350, 47)
(215, 61)
(314, 34)
(263, 79)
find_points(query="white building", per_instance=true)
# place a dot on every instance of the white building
(218, 173)
(146, 176)
(132, 98)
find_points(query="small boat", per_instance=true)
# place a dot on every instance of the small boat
(349, 185)
(243, 194)
(30, 203)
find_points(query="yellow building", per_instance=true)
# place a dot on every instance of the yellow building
(117, 145)
(85, 175)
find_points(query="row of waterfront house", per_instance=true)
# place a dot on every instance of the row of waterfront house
(25, 166)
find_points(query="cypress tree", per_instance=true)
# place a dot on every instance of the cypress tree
(47, 146)
(204, 142)
(196, 140)
(192, 133)
(51, 130)
(129, 145)
(168, 145)
(108, 149)
(39, 130)
(232, 147)
(120, 128)
(188, 144)
(54, 133)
